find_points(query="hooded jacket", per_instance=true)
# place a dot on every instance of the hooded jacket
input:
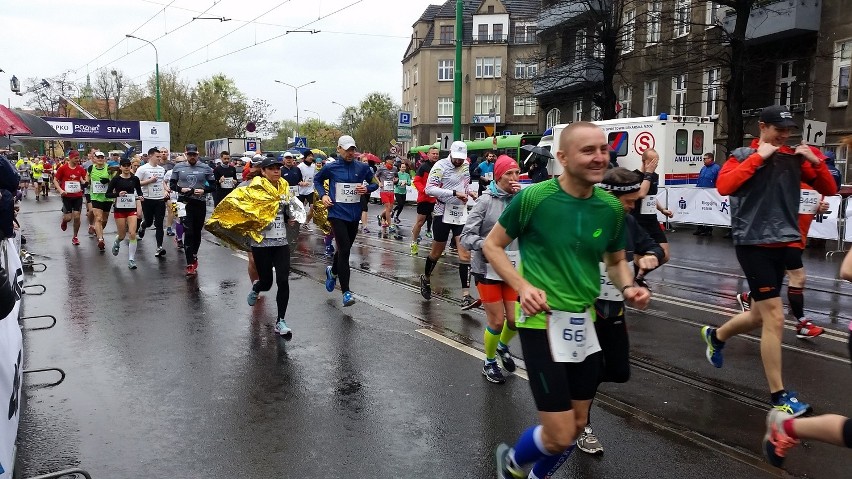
(480, 221)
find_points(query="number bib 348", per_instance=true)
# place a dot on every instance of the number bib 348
(455, 214)
(345, 193)
(571, 336)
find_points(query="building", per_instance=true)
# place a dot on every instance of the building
(499, 53)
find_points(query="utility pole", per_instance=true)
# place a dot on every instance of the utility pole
(457, 97)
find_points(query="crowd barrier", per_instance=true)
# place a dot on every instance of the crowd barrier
(11, 360)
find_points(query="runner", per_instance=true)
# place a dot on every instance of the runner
(69, 179)
(348, 179)
(254, 171)
(225, 175)
(307, 193)
(192, 180)
(387, 179)
(764, 224)
(90, 214)
(557, 287)
(99, 179)
(486, 170)
(449, 183)
(401, 191)
(646, 213)
(38, 172)
(425, 203)
(127, 192)
(154, 193)
(25, 170)
(498, 298)
(365, 199)
(47, 175)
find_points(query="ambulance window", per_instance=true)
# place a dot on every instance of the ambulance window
(618, 142)
(681, 142)
(697, 142)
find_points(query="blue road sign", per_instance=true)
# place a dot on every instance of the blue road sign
(404, 118)
(300, 142)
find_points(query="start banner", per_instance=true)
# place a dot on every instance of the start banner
(11, 361)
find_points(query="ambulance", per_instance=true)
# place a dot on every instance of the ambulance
(681, 142)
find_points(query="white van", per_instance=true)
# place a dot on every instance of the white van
(681, 142)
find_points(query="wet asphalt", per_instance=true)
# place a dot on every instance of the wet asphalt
(176, 377)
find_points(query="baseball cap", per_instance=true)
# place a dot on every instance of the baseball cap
(190, 148)
(270, 161)
(778, 115)
(99, 153)
(458, 150)
(346, 142)
(287, 154)
(124, 161)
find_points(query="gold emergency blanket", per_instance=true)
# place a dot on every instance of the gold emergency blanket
(246, 211)
(321, 214)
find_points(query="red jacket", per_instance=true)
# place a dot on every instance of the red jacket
(419, 183)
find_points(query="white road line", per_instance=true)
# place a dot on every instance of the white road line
(521, 373)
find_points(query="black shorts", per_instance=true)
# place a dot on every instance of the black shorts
(763, 268)
(425, 208)
(615, 344)
(72, 204)
(104, 206)
(441, 231)
(655, 232)
(87, 197)
(365, 203)
(793, 259)
(308, 199)
(554, 385)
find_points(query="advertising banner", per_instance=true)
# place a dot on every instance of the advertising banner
(825, 225)
(84, 128)
(155, 134)
(701, 206)
(11, 362)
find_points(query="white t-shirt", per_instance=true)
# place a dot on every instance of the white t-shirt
(157, 189)
(308, 173)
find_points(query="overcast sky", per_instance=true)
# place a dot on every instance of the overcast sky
(358, 49)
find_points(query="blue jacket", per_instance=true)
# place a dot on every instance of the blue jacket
(341, 171)
(707, 176)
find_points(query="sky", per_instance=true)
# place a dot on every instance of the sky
(358, 49)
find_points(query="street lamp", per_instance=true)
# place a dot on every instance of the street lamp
(338, 104)
(297, 98)
(156, 70)
(311, 111)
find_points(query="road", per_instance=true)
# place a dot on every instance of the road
(176, 377)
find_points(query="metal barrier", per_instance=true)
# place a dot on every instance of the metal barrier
(67, 472)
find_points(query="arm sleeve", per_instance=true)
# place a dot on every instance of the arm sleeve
(433, 185)
(734, 174)
(217, 174)
(471, 237)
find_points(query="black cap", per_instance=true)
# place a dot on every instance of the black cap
(270, 155)
(778, 115)
(190, 148)
(271, 160)
(124, 161)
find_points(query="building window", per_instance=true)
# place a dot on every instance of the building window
(498, 32)
(406, 80)
(416, 110)
(525, 70)
(484, 104)
(679, 94)
(479, 135)
(655, 20)
(578, 110)
(446, 70)
(840, 78)
(596, 113)
(786, 83)
(447, 34)
(712, 86)
(524, 33)
(580, 44)
(416, 75)
(682, 17)
(490, 67)
(445, 106)
(552, 118)
(525, 106)
(518, 109)
(598, 51)
(625, 98)
(650, 98)
(628, 35)
(483, 32)
(490, 9)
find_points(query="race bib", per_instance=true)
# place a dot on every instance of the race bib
(571, 336)
(649, 205)
(514, 256)
(240, 175)
(156, 189)
(99, 187)
(608, 290)
(181, 209)
(455, 214)
(72, 187)
(387, 185)
(228, 183)
(808, 202)
(345, 193)
(402, 182)
(127, 201)
(278, 228)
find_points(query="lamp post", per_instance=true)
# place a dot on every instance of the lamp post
(341, 105)
(311, 111)
(156, 71)
(297, 98)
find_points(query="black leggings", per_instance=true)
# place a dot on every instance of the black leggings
(193, 223)
(267, 258)
(344, 236)
(400, 204)
(615, 345)
(154, 211)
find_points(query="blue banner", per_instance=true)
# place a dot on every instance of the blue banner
(83, 128)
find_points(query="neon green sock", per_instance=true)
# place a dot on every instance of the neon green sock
(491, 338)
(506, 335)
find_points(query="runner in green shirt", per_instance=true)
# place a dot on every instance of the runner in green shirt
(400, 190)
(99, 178)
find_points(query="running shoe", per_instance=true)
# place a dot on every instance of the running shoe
(252, 297)
(714, 348)
(491, 371)
(425, 287)
(131, 264)
(91, 230)
(169, 231)
(506, 358)
(384, 236)
(179, 243)
(776, 442)
(330, 279)
(329, 250)
(101, 245)
(190, 269)
(588, 442)
(348, 299)
(414, 249)
(116, 246)
(63, 225)
(366, 230)
(141, 233)
(397, 220)
(506, 468)
(419, 239)
(379, 219)
(744, 301)
(790, 404)
(397, 237)
(160, 252)
(75, 241)
(283, 330)
(469, 303)
(429, 234)
(807, 329)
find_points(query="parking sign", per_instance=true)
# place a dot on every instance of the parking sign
(404, 118)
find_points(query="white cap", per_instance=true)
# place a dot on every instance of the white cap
(458, 150)
(346, 142)
(287, 154)
(257, 156)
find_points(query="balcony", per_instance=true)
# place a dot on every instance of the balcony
(569, 77)
(484, 39)
(565, 12)
(778, 19)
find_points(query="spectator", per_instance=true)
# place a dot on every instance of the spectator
(829, 162)
(707, 179)
(9, 181)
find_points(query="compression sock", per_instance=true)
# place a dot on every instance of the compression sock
(506, 335)
(430, 265)
(464, 275)
(796, 297)
(529, 448)
(491, 339)
(547, 466)
(132, 250)
(179, 231)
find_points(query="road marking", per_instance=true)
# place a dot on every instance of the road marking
(520, 372)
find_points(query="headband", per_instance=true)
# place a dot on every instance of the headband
(620, 187)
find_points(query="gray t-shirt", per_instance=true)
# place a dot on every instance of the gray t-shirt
(191, 176)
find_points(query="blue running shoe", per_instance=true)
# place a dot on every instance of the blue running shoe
(790, 404)
(714, 348)
(348, 299)
(252, 297)
(330, 279)
(329, 250)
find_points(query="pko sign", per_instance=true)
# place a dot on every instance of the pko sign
(84, 128)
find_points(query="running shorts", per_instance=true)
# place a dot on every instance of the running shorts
(104, 206)
(308, 199)
(71, 204)
(365, 202)
(441, 231)
(763, 268)
(554, 385)
(124, 214)
(425, 208)
(387, 197)
(793, 259)
(492, 291)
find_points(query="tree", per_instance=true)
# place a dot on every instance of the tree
(375, 133)
(374, 104)
(107, 93)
